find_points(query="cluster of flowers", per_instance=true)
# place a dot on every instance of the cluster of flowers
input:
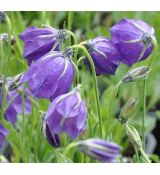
(51, 73)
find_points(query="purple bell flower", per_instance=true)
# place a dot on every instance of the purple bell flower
(39, 41)
(104, 54)
(134, 40)
(100, 149)
(67, 113)
(51, 75)
(14, 99)
(3, 134)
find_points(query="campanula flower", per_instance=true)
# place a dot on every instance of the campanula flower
(3, 134)
(104, 54)
(51, 75)
(67, 113)
(134, 40)
(39, 41)
(14, 102)
(100, 149)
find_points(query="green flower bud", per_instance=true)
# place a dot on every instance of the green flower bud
(134, 137)
(126, 110)
(139, 73)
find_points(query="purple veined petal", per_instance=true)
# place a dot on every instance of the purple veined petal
(133, 39)
(128, 28)
(105, 55)
(47, 76)
(47, 87)
(67, 113)
(32, 55)
(32, 32)
(38, 42)
(143, 26)
(81, 120)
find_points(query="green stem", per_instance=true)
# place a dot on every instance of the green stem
(137, 155)
(70, 16)
(69, 147)
(155, 51)
(144, 114)
(8, 22)
(144, 155)
(95, 82)
(80, 60)
(110, 107)
(77, 72)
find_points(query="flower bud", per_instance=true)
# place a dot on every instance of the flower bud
(2, 17)
(4, 37)
(134, 136)
(126, 110)
(14, 82)
(138, 73)
(100, 149)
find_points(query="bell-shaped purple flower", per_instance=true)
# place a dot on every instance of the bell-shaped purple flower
(52, 138)
(100, 149)
(51, 75)
(14, 101)
(67, 113)
(3, 134)
(134, 40)
(105, 56)
(39, 41)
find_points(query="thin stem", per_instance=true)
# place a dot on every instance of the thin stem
(144, 155)
(69, 147)
(137, 155)
(77, 72)
(95, 83)
(73, 36)
(144, 115)
(155, 51)
(9, 34)
(70, 16)
(80, 60)
(111, 105)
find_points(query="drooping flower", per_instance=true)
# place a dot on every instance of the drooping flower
(39, 41)
(67, 113)
(100, 149)
(134, 40)
(51, 75)
(3, 133)
(104, 54)
(14, 101)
